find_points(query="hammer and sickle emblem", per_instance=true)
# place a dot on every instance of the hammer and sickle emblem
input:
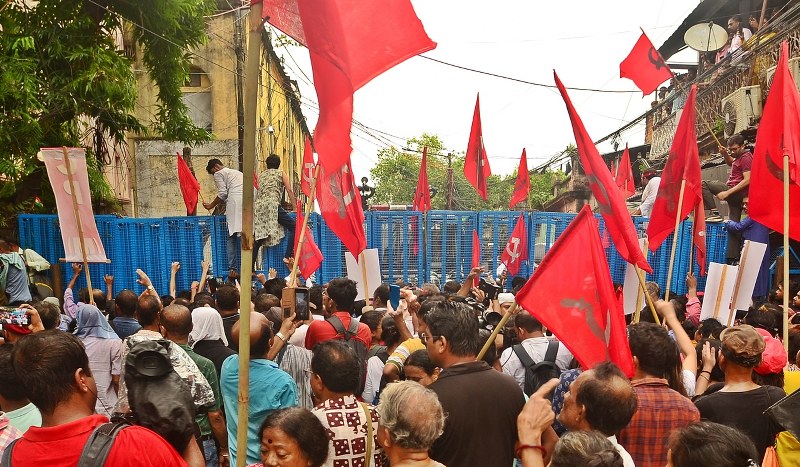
(308, 172)
(515, 252)
(338, 185)
(603, 201)
(581, 306)
(775, 169)
(655, 58)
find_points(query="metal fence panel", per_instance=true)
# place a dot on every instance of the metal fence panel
(449, 247)
(398, 236)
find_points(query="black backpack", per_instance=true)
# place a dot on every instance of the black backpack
(350, 336)
(536, 374)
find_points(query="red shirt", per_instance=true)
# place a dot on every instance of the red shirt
(739, 166)
(62, 445)
(319, 331)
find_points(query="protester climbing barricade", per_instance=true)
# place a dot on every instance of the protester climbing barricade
(398, 237)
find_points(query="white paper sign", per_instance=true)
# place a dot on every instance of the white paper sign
(355, 271)
(719, 291)
(632, 297)
(749, 267)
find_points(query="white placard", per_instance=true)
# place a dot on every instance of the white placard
(632, 297)
(719, 290)
(355, 272)
(749, 267)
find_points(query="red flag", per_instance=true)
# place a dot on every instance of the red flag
(778, 134)
(645, 66)
(308, 168)
(699, 236)
(624, 175)
(683, 163)
(310, 259)
(255, 180)
(517, 247)
(350, 43)
(572, 294)
(340, 205)
(422, 197)
(610, 204)
(523, 185)
(476, 162)
(190, 187)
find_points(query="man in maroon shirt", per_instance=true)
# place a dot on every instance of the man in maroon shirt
(54, 369)
(337, 300)
(733, 191)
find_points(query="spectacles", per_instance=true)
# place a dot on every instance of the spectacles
(424, 338)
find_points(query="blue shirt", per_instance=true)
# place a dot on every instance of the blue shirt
(270, 389)
(125, 326)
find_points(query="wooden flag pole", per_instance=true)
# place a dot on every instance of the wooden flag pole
(675, 234)
(302, 239)
(363, 260)
(719, 291)
(506, 316)
(251, 75)
(78, 223)
(742, 264)
(647, 297)
(786, 252)
(638, 310)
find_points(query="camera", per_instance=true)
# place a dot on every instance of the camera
(491, 290)
(12, 315)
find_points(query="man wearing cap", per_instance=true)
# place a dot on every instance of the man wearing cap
(651, 181)
(229, 191)
(741, 403)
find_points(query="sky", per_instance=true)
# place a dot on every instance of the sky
(584, 41)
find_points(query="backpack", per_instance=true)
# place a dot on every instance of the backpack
(536, 374)
(95, 451)
(350, 337)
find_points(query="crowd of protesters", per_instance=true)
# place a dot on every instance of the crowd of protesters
(401, 386)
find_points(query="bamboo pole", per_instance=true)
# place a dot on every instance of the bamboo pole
(647, 297)
(251, 76)
(720, 289)
(786, 252)
(78, 223)
(506, 316)
(302, 239)
(675, 239)
(691, 246)
(737, 287)
(362, 259)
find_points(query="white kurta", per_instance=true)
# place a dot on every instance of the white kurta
(229, 190)
(649, 196)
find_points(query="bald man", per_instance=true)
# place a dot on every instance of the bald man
(270, 387)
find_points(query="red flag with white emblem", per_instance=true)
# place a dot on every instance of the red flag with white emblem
(310, 258)
(476, 162)
(517, 247)
(340, 205)
(308, 168)
(523, 185)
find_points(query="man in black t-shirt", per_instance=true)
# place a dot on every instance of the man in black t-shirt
(740, 404)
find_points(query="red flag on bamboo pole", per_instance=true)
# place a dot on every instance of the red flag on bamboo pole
(699, 236)
(308, 168)
(340, 205)
(516, 250)
(645, 66)
(571, 293)
(624, 175)
(683, 163)
(422, 197)
(476, 162)
(350, 43)
(778, 134)
(523, 185)
(311, 257)
(190, 187)
(610, 204)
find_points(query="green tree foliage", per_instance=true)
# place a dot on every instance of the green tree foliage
(396, 174)
(60, 65)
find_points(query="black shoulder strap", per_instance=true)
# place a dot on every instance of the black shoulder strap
(337, 324)
(523, 356)
(347, 334)
(281, 353)
(97, 447)
(353, 327)
(552, 351)
(6, 460)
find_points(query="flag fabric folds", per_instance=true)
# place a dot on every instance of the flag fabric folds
(190, 187)
(683, 163)
(340, 206)
(516, 250)
(699, 237)
(571, 293)
(310, 259)
(350, 43)
(778, 134)
(308, 168)
(645, 66)
(610, 204)
(624, 175)
(476, 162)
(422, 197)
(523, 185)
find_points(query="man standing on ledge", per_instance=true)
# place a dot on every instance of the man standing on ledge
(229, 192)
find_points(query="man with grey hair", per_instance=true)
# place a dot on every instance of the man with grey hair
(411, 419)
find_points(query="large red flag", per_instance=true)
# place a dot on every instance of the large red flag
(476, 162)
(517, 247)
(308, 168)
(422, 197)
(624, 175)
(350, 43)
(523, 185)
(683, 163)
(476, 252)
(609, 200)
(645, 66)
(310, 259)
(778, 134)
(340, 205)
(699, 237)
(571, 293)
(190, 187)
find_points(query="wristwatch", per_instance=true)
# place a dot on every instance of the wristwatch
(150, 287)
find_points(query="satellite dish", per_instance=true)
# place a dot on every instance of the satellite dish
(706, 37)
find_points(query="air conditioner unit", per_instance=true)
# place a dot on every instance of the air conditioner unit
(741, 109)
(794, 69)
